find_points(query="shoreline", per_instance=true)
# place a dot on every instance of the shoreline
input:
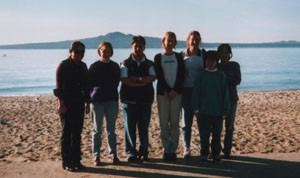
(48, 94)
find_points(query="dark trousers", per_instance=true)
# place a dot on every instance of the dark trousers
(229, 128)
(72, 124)
(207, 125)
(136, 115)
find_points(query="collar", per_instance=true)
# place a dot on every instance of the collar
(199, 52)
(214, 70)
(142, 60)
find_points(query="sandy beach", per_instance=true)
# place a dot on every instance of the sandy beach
(266, 141)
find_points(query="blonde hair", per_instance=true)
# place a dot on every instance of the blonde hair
(193, 33)
(106, 44)
(168, 34)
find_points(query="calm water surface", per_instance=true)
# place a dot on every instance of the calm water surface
(32, 72)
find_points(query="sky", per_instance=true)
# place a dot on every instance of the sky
(231, 21)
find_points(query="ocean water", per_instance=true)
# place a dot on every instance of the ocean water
(32, 72)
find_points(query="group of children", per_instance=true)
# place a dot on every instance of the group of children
(192, 81)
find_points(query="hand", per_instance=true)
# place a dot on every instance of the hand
(87, 108)
(197, 114)
(224, 116)
(61, 108)
(172, 94)
(135, 78)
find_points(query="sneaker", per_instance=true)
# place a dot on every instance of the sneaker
(227, 156)
(187, 154)
(114, 159)
(167, 157)
(134, 159)
(203, 158)
(78, 166)
(216, 158)
(144, 158)
(68, 166)
(173, 156)
(97, 161)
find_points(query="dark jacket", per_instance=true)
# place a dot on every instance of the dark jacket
(162, 85)
(144, 94)
(233, 75)
(71, 81)
(104, 79)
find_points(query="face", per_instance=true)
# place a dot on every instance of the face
(169, 43)
(225, 55)
(77, 54)
(138, 50)
(194, 41)
(211, 64)
(105, 53)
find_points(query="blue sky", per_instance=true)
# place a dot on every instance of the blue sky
(243, 21)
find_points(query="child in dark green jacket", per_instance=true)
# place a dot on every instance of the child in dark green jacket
(211, 104)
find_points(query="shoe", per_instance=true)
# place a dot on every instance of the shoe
(216, 158)
(167, 157)
(203, 158)
(97, 161)
(78, 166)
(173, 156)
(114, 159)
(68, 166)
(134, 159)
(144, 158)
(227, 156)
(187, 153)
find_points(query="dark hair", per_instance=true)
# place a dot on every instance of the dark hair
(76, 44)
(138, 40)
(211, 55)
(225, 46)
(168, 34)
(107, 44)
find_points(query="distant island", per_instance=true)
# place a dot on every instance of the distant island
(121, 40)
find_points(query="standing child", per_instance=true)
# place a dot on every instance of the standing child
(169, 69)
(104, 77)
(193, 63)
(233, 75)
(137, 95)
(210, 101)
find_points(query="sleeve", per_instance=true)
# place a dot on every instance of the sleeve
(124, 73)
(86, 87)
(226, 109)
(58, 91)
(196, 94)
(160, 73)
(118, 74)
(234, 78)
(152, 71)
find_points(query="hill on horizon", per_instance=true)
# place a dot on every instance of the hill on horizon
(121, 40)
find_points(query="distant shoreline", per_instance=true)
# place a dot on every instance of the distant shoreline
(120, 40)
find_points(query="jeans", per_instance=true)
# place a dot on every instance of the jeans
(229, 128)
(136, 115)
(72, 124)
(207, 125)
(188, 115)
(169, 113)
(110, 110)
